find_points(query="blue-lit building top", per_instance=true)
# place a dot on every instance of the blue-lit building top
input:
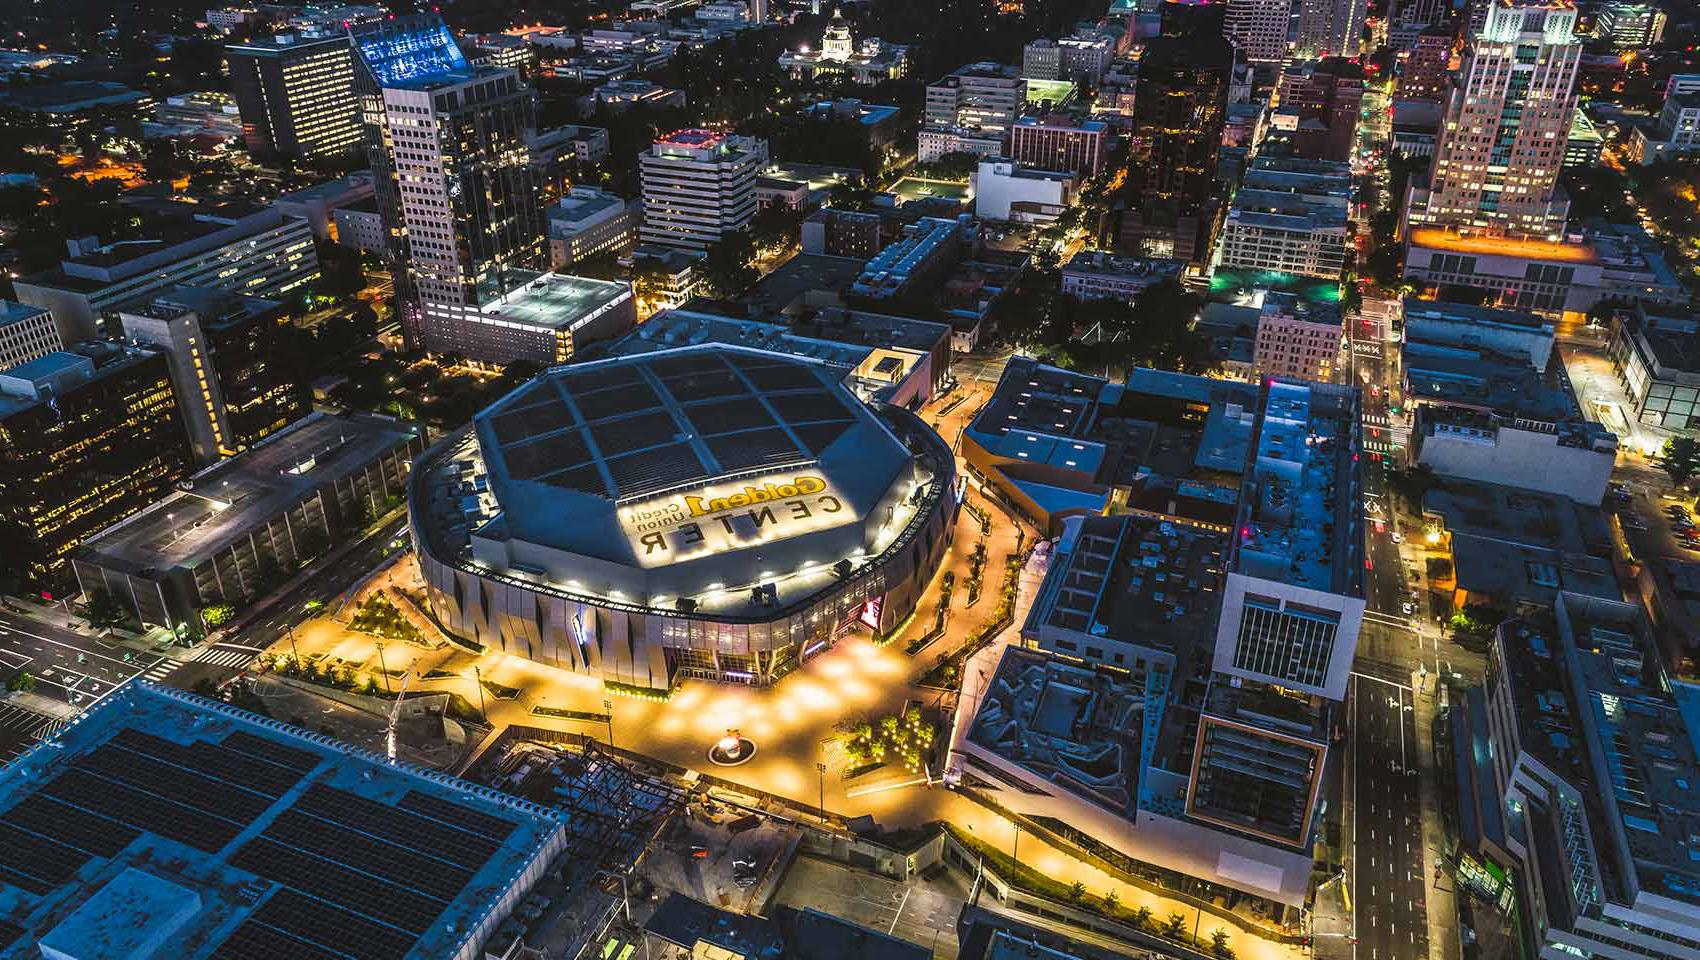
(409, 50)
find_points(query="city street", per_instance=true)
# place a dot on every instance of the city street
(69, 667)
(1388, 886)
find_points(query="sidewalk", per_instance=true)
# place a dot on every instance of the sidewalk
(55, 615)
(1442, 906)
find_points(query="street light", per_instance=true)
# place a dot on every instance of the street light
(382, 668)
(820, 768)
(478, 679)
(608, 715)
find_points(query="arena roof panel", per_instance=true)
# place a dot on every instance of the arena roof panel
(668, 418)
(574, 456)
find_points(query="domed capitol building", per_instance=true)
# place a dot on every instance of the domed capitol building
(873, 61)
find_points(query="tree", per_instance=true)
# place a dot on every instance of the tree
(1077, 892)
(1174, 926)
(218, 615)
(729, 266)
(1219, 944)
(103, 609)
(1680, 458)
(847, 196)
(21, 682)
(1142, 918)
(1111, 902)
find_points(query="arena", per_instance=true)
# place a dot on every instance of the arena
(712, 511)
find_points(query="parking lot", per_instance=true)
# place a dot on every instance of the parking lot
(1653, 525)
(923, 911)
(722, 856)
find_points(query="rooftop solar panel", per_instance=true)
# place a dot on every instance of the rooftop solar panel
(458, 815)
(271, 751)
(783, 378)
(397, 906)
(808, 405)
(40, 858)
(329, 926)
(706, 385)
(658, 468)
(232, 766)
(753, 448)
(591, 379)
(528, 461)
(174, 783)
(681, 364)
(255, 941)
(585, 479)
(397, 863)
(144, 811)
(87, 831)
(614, 437)
(447, 841)
(725, 416)
(629, 398)
(518, 425)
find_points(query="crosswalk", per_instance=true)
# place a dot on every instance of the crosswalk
(162, 668)
(228, 655)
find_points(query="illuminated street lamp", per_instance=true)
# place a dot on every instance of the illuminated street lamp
(382, 668)
(608, 714)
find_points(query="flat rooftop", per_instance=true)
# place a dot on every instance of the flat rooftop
(1435, 238)
(1302, 503)
(1441, 311)
(108, 359)
(555, 301)
(1595, 705)
(159, 817)
(1099, 263)
(1166, 437)
(1483, 379)
(228, 500)
(1072, 726)
(1511, 542)
(1133, 579)
(12, 312)
(1240, 286)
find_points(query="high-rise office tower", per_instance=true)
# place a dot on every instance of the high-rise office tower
(296, 96)
(454, 181)
(1179, 109)
(1258, 28)
(233, 386)
(1330, 28)
(1324, 97)
(698, 186)
(86, 439)
(1427, 68)
(1502, 140)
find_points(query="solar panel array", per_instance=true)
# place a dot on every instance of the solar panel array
(357, 879)
(626, 429)
(362, 880)
(200, 794)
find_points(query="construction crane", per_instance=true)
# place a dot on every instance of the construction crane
(395, 710)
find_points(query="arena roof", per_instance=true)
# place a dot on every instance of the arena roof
(582, 438)
(628, 428)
